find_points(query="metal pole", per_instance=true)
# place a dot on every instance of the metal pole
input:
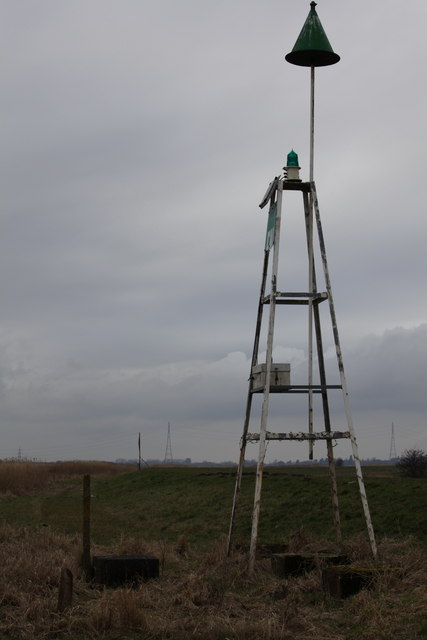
(340, 362)
(308, 209)
(264, 411)
(314, 311)
(312, 125)
(310, 267)
(254, 361)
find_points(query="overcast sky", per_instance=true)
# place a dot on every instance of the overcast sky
(137, 140)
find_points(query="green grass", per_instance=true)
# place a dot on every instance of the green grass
(201, 593)
(166, 503)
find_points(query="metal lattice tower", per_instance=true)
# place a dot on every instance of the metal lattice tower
(311, 49)
(168, 453)
(392, 454)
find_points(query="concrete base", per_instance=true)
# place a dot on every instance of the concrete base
(344, 581)
(115, 571)
(287, 564)
(264, 550)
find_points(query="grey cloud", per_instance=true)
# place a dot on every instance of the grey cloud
(390, 370)
(137, 141)
(386, 374)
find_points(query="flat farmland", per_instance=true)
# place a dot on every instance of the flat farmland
(181, 515)
(169, 502)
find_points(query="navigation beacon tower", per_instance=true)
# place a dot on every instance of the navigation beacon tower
(312, 49)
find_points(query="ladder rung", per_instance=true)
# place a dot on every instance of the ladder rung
(319, 435)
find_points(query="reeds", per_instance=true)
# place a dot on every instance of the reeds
(21, 477)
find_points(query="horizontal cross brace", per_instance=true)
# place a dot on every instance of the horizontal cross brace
(319, 435)
(291, 185)
(296, 298)
(299, 388)
(302, 294)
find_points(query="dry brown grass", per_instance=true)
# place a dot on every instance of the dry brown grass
(209, 596)
(92, 467)
(26, 477)
(19, 478)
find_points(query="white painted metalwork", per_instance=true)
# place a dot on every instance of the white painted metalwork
(300, 435)
(311, 49)
(340, 362)
(268, 363)
(312, 298)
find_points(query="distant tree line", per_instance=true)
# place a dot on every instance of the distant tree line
(347, 462)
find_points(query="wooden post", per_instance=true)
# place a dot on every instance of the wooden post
(86, 559)
(65, 596)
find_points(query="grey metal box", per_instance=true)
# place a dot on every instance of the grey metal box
(280, 375)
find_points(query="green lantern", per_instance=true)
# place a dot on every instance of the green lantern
(292, 167)
(292, 159)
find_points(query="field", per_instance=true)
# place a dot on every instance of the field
(181, 515)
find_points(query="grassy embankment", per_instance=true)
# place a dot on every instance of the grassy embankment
(181, 515)
(166, 503)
